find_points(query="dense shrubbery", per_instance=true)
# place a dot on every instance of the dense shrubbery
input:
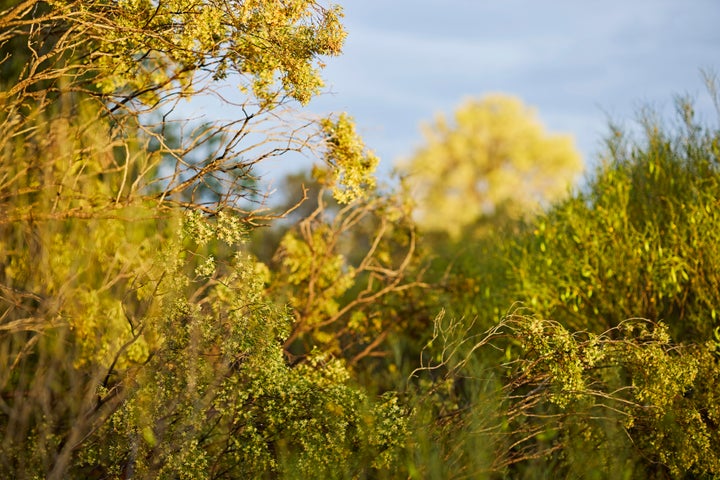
(639, 242)
(623, 379)
(139, 337)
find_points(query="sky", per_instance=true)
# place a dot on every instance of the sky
(579, 63)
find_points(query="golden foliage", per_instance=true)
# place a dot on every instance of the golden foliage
(494, 154)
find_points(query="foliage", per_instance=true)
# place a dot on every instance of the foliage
(192, 381)
(136, 333)
(140, 338)
(353, 166)
(143, 50)
(493, 156)
(339, 267)
(638, 242)
(624, 402)
(131, 64)
(623, 380)
(217, 400)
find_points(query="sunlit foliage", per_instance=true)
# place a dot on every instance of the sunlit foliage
(141, 338)
(639, 241)
(137, 338)
(338, 268)
(610, 367)
(140, 49)
(129, 65)
(492, 155)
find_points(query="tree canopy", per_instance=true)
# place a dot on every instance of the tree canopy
(492, 155)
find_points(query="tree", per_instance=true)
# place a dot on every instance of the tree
(136, 334)
(493, 156)
(131, 63)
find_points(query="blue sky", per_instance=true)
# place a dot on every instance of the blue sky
(579, 63)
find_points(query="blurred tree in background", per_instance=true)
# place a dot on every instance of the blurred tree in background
(492, 158)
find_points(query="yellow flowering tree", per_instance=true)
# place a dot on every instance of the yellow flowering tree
(493, 155)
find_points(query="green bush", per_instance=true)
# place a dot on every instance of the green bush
(638, 242)
(593, 389)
